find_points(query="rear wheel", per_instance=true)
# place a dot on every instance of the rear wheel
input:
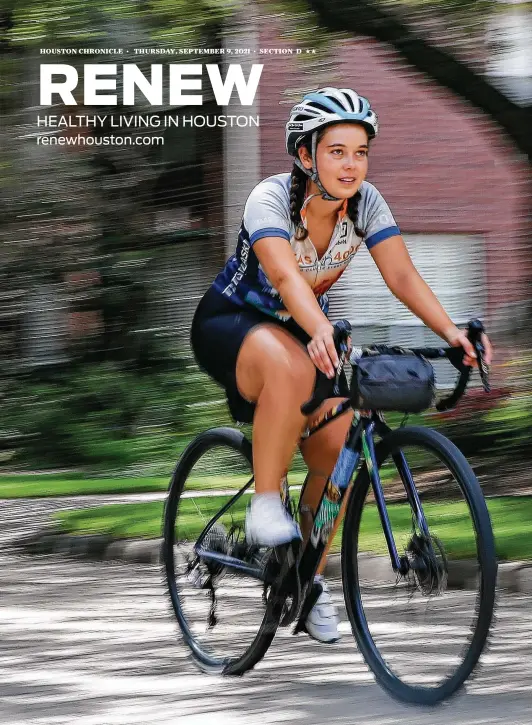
(223, 616)
(419, 633)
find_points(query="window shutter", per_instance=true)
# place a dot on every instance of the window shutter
(451, 264)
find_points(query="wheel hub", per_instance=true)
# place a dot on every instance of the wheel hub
(427, 564)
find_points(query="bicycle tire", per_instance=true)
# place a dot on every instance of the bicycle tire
(455, 461)
(202, 444)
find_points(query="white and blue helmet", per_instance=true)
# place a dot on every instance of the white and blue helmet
(326, 106)
(323, 108)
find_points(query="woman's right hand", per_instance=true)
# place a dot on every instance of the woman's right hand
(322, 350)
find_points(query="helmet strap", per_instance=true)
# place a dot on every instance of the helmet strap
(314, 173)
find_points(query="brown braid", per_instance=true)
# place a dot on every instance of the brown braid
(298, 185)
(352, 212)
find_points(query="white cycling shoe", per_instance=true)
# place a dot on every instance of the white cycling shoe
(322, 621)
(268, 523)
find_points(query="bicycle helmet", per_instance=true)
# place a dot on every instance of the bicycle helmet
(320, 109)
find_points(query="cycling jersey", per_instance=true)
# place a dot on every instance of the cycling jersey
(267, 214)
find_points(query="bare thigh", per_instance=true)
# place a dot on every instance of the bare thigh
(271, 355)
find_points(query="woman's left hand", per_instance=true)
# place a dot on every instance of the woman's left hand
(458, 338)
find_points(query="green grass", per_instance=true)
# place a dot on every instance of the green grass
(42, 486)
(65, 476)
(511, 517)
(138, 520)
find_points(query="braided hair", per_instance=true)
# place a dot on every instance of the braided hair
(298, 185)
(352, 212)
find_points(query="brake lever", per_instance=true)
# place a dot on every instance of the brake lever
(341, 363)
(342, 331)
(483, 369)
(475, 328)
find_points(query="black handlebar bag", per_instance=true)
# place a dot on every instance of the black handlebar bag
(393, 382)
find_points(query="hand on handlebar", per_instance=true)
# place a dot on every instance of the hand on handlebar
(322, 350)
(477, 348)
(459, 338)
(340, 339)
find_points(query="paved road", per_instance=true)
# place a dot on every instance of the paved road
(93, 644)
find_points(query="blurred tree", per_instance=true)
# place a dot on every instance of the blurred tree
(418, 30)
(377, 20)
(42, 22)
(67, 217)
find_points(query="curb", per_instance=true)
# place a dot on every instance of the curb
(514, 577)
(96, 547)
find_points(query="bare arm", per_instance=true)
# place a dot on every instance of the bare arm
(279, 263)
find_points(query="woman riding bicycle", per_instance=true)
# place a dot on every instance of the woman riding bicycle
(261, 329)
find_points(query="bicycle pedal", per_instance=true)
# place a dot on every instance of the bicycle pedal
(197, 578)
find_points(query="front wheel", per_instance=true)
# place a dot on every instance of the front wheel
(423, 632)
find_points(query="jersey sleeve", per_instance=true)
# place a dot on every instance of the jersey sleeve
(376, 219)
(266, 213)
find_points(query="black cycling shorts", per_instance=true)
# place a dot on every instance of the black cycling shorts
(218, 330)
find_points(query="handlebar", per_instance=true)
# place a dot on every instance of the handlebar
(326, 388)
(475, 328)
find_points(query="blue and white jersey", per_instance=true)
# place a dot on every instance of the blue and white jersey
(267, 214)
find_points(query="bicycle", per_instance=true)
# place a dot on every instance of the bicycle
(207, 559)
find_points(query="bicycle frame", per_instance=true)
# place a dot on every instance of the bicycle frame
(359, 443)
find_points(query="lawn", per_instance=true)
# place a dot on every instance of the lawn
(511, 517)
(42, 486)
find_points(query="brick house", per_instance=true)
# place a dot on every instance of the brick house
(454, 183)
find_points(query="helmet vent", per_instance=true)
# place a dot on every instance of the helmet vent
(350, 102)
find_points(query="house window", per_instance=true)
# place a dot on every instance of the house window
(45, 327)
(451, 264)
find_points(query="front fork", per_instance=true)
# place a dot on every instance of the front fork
(400, 564)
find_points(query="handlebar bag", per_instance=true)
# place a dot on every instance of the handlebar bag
(393, 382)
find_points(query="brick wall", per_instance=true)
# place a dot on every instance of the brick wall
(442, 166)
